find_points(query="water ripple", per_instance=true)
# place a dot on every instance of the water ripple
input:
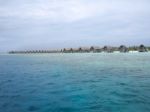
(75, 83)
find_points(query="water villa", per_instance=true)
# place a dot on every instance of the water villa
(108, 49)
(142, 48)
(123, 49)
(95, 49)
(92, 49)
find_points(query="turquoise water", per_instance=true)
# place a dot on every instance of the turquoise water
(75, 82)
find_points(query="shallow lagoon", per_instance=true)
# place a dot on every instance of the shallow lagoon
(88, 82)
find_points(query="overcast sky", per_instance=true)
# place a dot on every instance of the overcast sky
(43, 24)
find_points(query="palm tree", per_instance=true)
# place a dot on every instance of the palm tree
(80, 49)
(92, 49)
(64, 50)
(142, 48)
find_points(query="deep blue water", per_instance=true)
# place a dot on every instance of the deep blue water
(75, 83)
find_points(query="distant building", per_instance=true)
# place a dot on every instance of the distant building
(123, 49)
(97, 49)
(84, 49)
(142, 48)
(92, 49)
(108, 49)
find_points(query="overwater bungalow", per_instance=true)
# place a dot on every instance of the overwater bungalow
(148, 48)
(64, 50)
(108, 49)
(142, 48)
(71, 50)
(92, 49)
(97, 49)
(67, 50)
(84, 49)
(123, 49)
(75, 50)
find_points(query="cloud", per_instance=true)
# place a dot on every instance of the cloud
(52, 10)
(54, 23)
(70, 10)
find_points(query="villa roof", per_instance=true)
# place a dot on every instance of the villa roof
(84, 48)
(97, 47)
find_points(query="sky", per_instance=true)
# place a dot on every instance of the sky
(55, 24)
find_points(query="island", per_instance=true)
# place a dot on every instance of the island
(92, 49)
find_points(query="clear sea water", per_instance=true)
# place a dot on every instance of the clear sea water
(114, 82)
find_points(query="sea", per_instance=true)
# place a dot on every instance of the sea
(75, 82)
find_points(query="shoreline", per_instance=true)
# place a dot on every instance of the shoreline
(131, 52)
(92, 49)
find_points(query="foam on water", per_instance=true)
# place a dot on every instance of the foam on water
(114, 82)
